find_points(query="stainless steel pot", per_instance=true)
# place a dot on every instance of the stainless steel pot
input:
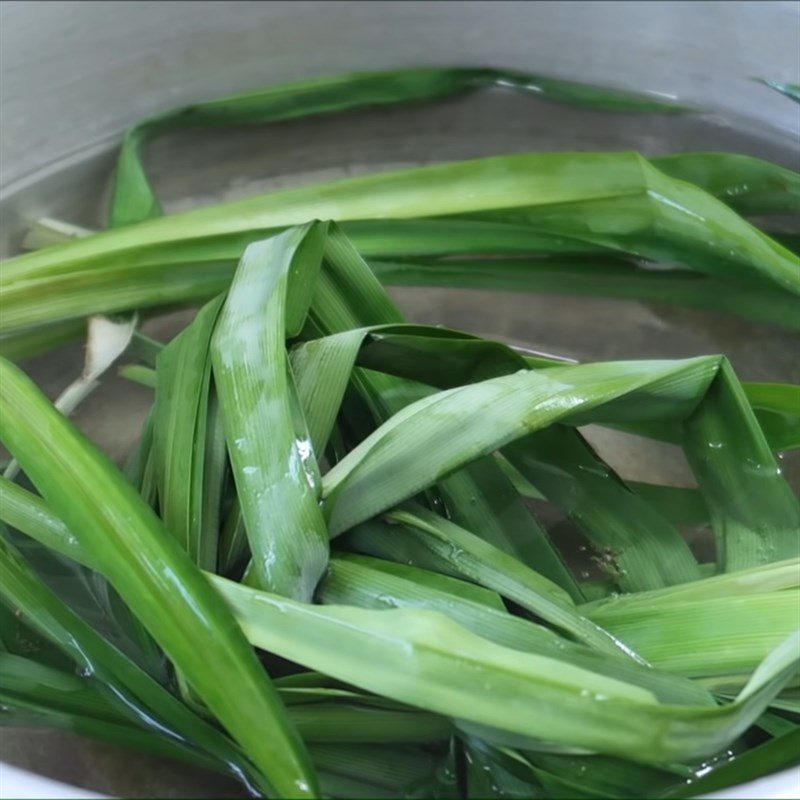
(75, 74)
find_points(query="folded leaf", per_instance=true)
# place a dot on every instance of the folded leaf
(272, 458)
(423, 659)
(134, 200)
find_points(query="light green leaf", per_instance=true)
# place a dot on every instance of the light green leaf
(272, 458)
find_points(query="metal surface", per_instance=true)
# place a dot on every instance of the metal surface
(74, 74)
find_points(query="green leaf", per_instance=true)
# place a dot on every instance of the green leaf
(29, 342)
(666, 220)
(134, 694)
(773, 577)
(370, 478)
(25, 511)
(85, 592)
(373, 583)
(422, 658)
(487, 777)
(144, 376)
(302, 357)
(774, 724)
(754, 513)
(766, 759)
(680, 505)
(749, 536)
(351, 723)
(777, 407)
(70, 702)
(134, 200)
(376, 538)
(749, 185)
(233, 547)
(600, 276)
(447, 358)
(639, 548)
(374, 768)
(21, 714)
(615, 200)
(481, 562)
(348, 296)
(255, 610)
(145, 348)
(704, 638)
(57, 689)
(67, 295)
(479, 495)
(46, 232)
(598, 776)
(429, 583)
(480, 498)
(189, 463)
(272, 458)
(790, 90)
(154, 576)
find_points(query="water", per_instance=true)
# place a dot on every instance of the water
(208, 167)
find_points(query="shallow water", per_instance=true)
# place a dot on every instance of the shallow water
(206, 167)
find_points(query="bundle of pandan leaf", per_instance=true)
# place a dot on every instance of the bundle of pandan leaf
(321, 484)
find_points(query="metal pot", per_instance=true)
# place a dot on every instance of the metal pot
(76, 74)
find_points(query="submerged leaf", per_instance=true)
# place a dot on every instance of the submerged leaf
(790, 90)
(134, 199)
(154, 576)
